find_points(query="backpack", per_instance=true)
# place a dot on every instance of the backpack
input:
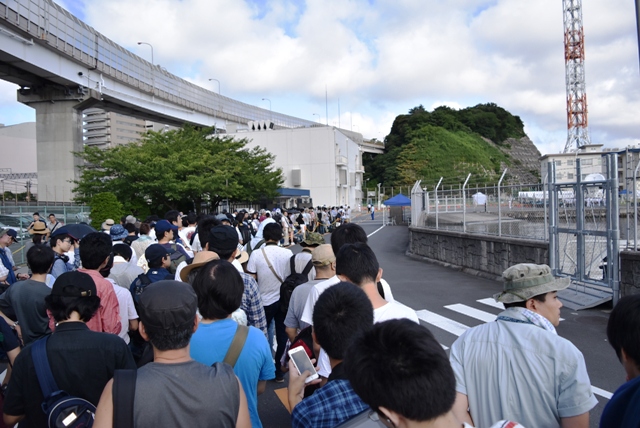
(291, 282)
(250, 249)
(176, 258)
(245, 231)
(138, 286)
(62, 410)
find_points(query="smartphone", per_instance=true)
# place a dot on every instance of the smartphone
(302, 362)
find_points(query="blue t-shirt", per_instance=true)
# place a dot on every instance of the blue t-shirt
(623, 410)
(210, 343)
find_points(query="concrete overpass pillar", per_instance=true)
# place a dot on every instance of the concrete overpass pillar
(58, 135)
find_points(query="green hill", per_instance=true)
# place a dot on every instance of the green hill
(451, 143)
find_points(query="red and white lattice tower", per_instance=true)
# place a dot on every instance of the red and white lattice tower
(578, 132)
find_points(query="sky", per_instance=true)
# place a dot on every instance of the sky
(376, 59)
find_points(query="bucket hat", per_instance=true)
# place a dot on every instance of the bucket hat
(526, 280)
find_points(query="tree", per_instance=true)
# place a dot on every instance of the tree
(185, 168)
(103, 206)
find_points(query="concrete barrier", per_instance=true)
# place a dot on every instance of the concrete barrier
(629, 273)
(482, 255)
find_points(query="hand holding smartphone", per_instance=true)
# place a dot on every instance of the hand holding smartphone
(302, 363)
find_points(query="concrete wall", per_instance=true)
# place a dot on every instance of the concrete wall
(629, 273)
(483, 255)
(18, 148)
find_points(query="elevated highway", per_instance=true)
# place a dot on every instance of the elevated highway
(63, 66)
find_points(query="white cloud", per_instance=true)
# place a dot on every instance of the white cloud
(382, 58)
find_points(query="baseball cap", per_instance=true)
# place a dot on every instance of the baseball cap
(526, 280)
(322, 255)
(12, 233)
(155, 252)
(167, 305)
(163, 226)
(74, 284)
(223, 238)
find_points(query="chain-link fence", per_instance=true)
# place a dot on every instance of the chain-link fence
(20, 216)
(503, 210)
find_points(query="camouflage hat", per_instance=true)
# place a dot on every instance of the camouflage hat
(526, 280)
(313, 239)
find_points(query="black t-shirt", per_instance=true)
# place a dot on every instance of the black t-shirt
(82, 362)
(129, 239)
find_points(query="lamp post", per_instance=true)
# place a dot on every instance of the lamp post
(316, 114)
(218, 84)
(153, 75)
(267, 99)
(151, 46)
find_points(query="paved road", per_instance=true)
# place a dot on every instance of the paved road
(448, 302)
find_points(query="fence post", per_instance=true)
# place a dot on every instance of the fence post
(436, 194)
(464, 204)
(635, 208)
(499, 204)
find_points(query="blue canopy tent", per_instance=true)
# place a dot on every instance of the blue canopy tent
(398, 200)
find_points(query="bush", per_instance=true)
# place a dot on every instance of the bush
(103, 206)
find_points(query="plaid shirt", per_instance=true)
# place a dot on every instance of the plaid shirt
(252, 304)
(329, 406)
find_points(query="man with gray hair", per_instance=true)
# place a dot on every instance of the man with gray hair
(517, 367)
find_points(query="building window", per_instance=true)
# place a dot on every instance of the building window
(570, 175)
(558, 162)
(570, 162)
(586, 162)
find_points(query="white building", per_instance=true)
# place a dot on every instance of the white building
(322, 165)
(591, 162)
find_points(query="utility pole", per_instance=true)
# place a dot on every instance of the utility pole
(578, 132)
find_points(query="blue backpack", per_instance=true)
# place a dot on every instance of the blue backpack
(62, 409)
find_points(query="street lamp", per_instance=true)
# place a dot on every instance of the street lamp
(151, 46)
(218, 84)
(267, 99)
(153, 74)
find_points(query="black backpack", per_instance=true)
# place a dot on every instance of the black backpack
(138, 286)
(291, 282)
(62, 410)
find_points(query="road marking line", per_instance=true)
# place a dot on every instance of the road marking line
(491, 302)
(441, 322)
(3, 375)
(472, 312)
(375, 231)
(601, 392)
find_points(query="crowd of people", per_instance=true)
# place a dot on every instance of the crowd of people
(173, 322)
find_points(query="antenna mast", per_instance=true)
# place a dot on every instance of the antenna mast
(578, 132)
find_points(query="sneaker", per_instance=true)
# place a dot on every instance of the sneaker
(279, 379)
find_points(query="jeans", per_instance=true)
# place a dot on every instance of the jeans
(273, 312)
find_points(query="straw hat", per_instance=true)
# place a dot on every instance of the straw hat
(39, 228)
(201, 258)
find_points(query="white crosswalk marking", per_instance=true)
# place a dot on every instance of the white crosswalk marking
(472, 312)
(491, 302)
(601, 392)
(441, 322)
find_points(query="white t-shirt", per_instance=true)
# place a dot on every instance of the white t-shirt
(391, 311)
(127, 308)
(318, 289)
(268, 283)
(185, 234)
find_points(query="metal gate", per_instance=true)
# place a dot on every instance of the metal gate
(584, 231)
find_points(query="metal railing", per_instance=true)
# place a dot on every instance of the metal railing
(502, 210)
